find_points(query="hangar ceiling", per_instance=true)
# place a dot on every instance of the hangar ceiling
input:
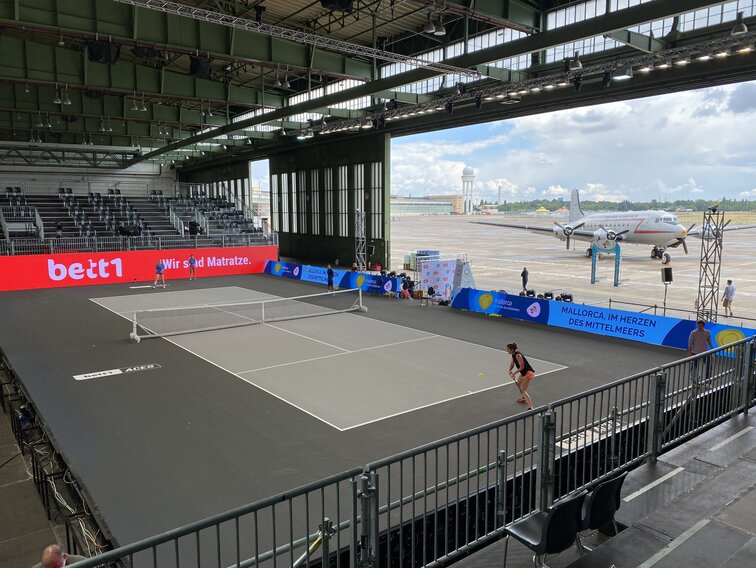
(194, 83)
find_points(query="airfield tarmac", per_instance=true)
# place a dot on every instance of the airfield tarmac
(498, 255)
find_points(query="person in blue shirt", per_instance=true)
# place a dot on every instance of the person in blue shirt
(192, 268)
(159, 273)
(329, 274)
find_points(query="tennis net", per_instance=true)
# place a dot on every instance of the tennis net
(165, 322)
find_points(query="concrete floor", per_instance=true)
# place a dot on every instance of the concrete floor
(498, 255)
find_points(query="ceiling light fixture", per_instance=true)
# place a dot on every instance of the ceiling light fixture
(575, 63)
(440, 29)
(746, 48)
(722, 52)
(740, 28)
(61, 43)
(26, 88)
(286, 84)
(646, 67)
(57, 100)
(134, 106)
(278, 80)
(430, 27)
(66, 98)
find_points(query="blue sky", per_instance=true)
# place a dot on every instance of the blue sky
(689, 145)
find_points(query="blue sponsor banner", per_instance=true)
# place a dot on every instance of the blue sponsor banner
(370, 283)
(655, 330)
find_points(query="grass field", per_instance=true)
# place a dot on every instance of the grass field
(735, 218)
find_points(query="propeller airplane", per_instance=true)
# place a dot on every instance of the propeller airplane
(657, 228)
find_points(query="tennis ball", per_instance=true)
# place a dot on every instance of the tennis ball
(480, 374)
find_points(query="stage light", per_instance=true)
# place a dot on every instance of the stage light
(440, 29)
(429, 27)
(646, 67)
(57, 100)
(623, 74)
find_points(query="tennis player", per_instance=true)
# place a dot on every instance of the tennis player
(159, 273)
(521, 365)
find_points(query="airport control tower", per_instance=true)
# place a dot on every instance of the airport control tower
(468, 178)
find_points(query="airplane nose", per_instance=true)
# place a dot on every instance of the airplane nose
(684, 231)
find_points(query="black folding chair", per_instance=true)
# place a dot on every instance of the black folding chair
(600, 506)
(548, 532)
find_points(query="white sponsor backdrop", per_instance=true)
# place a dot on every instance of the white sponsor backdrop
(439, 274)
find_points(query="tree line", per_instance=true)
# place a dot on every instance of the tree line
(724, 203)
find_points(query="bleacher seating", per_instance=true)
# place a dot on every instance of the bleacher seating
(97, 215)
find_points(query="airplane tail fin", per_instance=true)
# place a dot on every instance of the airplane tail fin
(575, 211)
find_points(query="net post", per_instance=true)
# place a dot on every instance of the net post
(134, 335)
(362, 306)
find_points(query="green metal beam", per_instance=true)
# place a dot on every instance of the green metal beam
(52, 64)
(604, 24)
(641, 42)
(126, 24)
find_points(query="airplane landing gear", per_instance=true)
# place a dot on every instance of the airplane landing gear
(658, 252)
(588, 253)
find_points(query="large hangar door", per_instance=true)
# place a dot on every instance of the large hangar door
(315, 191)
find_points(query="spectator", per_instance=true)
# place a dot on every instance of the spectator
(54, 557)
(524, 275)
(59, 229)
(728, 297)
(329, 275)
(192, 267)
(699, 341)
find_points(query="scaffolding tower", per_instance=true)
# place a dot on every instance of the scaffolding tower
(360, 243)
(707, 304)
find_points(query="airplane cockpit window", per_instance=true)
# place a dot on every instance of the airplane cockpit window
(670, 219)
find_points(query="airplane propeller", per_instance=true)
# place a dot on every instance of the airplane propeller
(611, 235)
(568, 230)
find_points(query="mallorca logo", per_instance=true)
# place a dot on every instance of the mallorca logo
(296, 271)
(388, 286)
(534, 310)
(360, 281)
(485, 301)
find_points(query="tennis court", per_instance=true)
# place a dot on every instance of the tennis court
(344, 369)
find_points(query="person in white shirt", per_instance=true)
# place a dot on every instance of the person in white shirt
(728, 297)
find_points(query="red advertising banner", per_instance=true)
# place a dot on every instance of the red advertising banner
(27, 272)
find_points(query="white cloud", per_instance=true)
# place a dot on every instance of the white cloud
(748, 194)
(685, 145)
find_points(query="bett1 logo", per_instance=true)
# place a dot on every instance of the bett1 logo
(79, 271)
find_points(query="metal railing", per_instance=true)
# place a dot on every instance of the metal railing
(435, 503)
(143, 242)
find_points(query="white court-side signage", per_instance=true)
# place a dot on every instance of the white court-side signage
(121, 371)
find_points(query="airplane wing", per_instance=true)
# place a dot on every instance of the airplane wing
(539, 229)
(699, 231)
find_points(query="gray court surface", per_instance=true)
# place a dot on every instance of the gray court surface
(343, 369)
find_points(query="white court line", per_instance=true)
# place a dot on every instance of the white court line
(274, 395)
(675, 543)
(306, 337)
(136, 287)
(560, 367)
(431, 336)
(336, 354)
(653, 484)
(731, 438)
